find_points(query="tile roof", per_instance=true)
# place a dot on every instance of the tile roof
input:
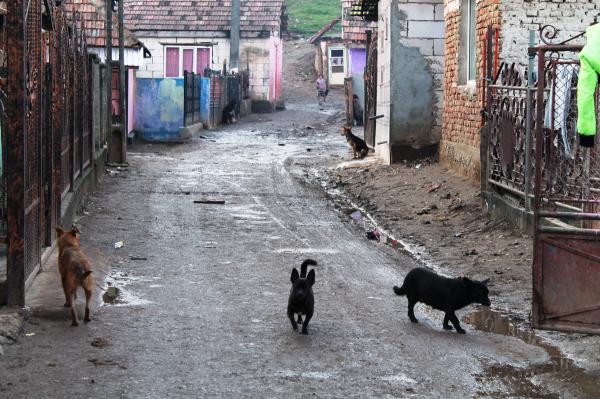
(353, 28)
(92, 13)
(202, 15)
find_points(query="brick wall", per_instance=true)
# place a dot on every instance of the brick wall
(462, 102)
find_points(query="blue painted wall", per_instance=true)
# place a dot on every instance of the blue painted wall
(159, 109)
(205, 101)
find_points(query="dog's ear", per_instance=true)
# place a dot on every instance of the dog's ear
(467, 281)
(486, 281)
(311, 277)
(74, 232)
(85, 274)
(295, 276)
(59, 231)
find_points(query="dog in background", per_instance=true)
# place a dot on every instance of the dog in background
(359, 147)
(75, 271)
(302, 300)
(442, 293)
(228, 115)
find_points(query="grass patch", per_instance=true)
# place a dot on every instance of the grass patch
(308, 16)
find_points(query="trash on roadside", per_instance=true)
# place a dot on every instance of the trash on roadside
(99, 342)
(308, 127)
(119, 244)
(133, 257)
(308, 149)
(357, 216)
(418, 166)
(29, 334)
(458, 235)
(373, 234)
(424, 211)
(470, 252)
(281, 144)
(434, 188)
(216, 202)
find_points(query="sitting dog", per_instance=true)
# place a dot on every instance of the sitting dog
(228, 115)
(442, 293)
(74, 270)
(359, 147)
(302, 300)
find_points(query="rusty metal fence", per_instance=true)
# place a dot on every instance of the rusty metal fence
(48, 131)
(191, 98)
(224, 88)
(535, 163)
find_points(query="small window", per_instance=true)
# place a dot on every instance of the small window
(188, 60)
(468, 41)
(172, 63)
(336, 60)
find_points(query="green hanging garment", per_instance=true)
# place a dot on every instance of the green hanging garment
(586, 86)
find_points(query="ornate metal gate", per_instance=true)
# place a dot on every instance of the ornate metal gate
(535, 160)
(371, 93)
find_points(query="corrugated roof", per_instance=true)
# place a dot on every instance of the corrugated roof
(92, 13)
(202, 15)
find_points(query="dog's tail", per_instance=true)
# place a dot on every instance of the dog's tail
(304, 266)
(400, 290)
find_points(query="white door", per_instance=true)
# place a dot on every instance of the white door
(337, 65)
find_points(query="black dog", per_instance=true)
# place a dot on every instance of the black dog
(441, 293)
(302, 300)
(228, 115)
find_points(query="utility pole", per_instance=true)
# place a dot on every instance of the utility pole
(122, 77)
(108, 5)
(234, 40)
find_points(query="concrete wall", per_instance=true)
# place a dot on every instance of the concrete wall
(413, 34)
(384, 57)
(262, 56)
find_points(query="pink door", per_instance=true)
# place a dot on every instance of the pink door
(188, 60)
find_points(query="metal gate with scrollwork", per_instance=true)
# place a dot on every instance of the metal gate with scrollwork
(371, 93)
(535, 162)
(48, 129)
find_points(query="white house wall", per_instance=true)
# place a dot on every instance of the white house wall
(253, 52)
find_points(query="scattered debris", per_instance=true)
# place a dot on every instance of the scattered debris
(99, 342)
(119, 244)
(107, 362)
(308, 149)
(133, 257)
(281, 144)
(373, 235)
(470, 252)
(29, 334)
(111, 295)
(308, 127)
(215, 202)
(357, 216)
(458, 235)
(434, 188)
(418, 166)
(424, 211)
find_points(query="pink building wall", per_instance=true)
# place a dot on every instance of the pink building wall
(131, 102)
(275, 69)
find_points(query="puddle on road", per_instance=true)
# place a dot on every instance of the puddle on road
(115, 293)
(525, 382)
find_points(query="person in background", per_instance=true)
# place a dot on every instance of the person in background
(321, 86)
(358, 111)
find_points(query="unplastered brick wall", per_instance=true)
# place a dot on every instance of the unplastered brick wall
(462, 101)
(520, 16)
(256, 55)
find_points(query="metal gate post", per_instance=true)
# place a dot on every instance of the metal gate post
(15, 153)
(529, 110)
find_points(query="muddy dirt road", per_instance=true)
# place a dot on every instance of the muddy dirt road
(201, 289)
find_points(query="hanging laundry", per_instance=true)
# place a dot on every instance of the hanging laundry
(559, 102)
(586, 86)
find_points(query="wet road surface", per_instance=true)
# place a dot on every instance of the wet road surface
(202, 288)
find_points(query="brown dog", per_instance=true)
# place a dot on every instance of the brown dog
(359, 147)
(74, 270)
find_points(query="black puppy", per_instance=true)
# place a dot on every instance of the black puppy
(228, 116)
(302, 300)
(441, 293)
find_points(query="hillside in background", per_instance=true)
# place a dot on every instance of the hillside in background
(308, 16)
